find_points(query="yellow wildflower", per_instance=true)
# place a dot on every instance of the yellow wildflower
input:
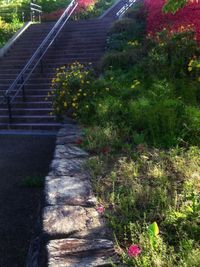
(74, 105)
(191, 62)
(189, 68)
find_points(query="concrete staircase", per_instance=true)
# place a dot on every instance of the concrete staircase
(82, 41)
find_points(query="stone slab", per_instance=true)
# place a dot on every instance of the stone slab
(69, 139)
(69, 152)
(73, 221)
(80, 253)
(70, 129)
(69, 191)
(70, 167)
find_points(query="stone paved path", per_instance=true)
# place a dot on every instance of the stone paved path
(20, 156)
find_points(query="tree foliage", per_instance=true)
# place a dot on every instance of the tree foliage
(174, 5)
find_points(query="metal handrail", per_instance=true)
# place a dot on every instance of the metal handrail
(35, 9)
(127, 5)
(36, 59)
(35, 6)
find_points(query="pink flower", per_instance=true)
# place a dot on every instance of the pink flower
(100, 209)
(134, 251)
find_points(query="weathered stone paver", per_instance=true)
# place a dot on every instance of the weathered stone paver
(69, 190)
(76, 233)
(73, 221)
(80, 252)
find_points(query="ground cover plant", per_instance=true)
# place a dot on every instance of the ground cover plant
(142, 128)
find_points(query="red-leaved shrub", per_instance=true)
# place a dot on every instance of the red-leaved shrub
(187, 16)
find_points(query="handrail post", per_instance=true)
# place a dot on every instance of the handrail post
(23, 89)
(41, 62)
(9, 108)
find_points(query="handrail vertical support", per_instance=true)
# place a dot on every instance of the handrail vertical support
(23, 89)
(9, 108)
(41, 66)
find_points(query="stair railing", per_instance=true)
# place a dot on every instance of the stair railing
(127, 5)
(35, 12)
(32, 13)
(19, 84)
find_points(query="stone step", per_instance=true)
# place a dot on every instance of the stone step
(51, 64)
(32, 105)
(29, 86)
(58, 56)
(28, 118)
(30, 126)
(27, 111)
(30, 92)
(65, 51)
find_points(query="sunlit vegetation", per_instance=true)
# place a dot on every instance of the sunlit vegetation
(142, 129)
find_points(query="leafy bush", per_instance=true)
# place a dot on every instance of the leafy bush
(122, 59)
(171, 52)
(70, 87)
(95, 10)
(8, 29)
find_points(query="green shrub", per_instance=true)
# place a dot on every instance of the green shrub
(169, 54)
(122, 25)
(96, 10)
(70, 87)
(192, 125)
(123, 59)
(7, 30)
(137, 12)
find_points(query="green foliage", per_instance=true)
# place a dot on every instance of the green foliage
(52, 5)
(70, 87)
(171, 52)
(174, 5)
(96, 10)
(7, 30)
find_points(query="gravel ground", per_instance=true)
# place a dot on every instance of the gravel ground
(20, 205)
